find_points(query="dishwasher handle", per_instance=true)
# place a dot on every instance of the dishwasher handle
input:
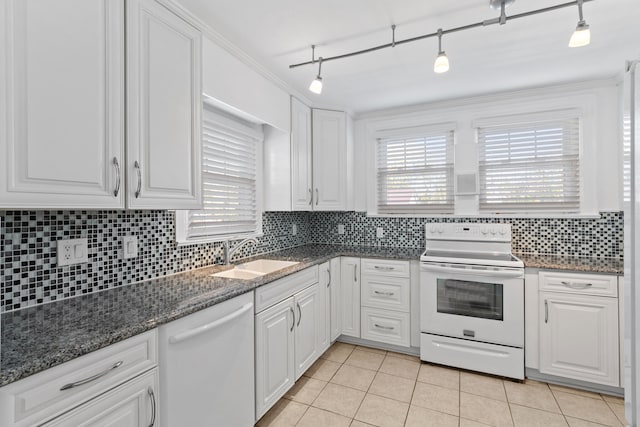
(209, 326)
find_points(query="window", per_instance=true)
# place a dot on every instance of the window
(530, 167)
(415, 173)
(231, 159)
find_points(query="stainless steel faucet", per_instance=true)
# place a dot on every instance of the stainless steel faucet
(229, 251)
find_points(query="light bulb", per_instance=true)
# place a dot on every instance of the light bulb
(316, 85)
(581, 36)
(442, 63)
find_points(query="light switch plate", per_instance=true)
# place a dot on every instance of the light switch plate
(340, 228)
(129, 247)
(72, 251)
(294, 229)
(379, 232)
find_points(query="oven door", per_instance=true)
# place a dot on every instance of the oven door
(473, 302)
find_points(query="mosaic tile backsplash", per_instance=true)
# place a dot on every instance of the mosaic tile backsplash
(29, 274)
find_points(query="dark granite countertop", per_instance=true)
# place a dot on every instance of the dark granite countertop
(37, 338)
(573, 263)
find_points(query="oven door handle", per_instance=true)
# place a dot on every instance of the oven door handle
(474, 272)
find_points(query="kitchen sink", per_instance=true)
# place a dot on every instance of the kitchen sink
(251, 270)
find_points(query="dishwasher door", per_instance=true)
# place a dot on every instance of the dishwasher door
(206, 365)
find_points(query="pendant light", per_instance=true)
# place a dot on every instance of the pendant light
(442, 62)
(582, 35)
(316, 85)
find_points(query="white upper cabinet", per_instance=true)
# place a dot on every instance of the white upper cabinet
(329, 160)
(301, 179)
(164, 129)
(61, 104)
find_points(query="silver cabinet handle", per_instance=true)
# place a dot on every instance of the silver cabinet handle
(137, 166)
(387, 328)
(153, 407)
(388, 294)
(377, 267)
(293, 318)
(329, 273)
(116, 166)
(574, 285)
(317, 197)
(299, 314)
(355, 272)
(546, 311)
(310, 197)
(92, 378)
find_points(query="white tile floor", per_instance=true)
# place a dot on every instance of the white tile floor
(359, 386)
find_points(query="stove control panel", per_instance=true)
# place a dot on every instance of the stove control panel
(487, 232)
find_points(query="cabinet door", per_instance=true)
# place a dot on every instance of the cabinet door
(275, 364)
(301, 190)
(350, 291)
(61, 104)
(336, 303)
(329, 160)
(579, 337)
(133, 404)
(309, 319)
(325, 320)
(164, 128)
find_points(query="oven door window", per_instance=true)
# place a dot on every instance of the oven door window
(474, 299)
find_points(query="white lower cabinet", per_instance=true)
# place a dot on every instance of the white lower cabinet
(133, 404)
(289, 337)
(335, 287)
(579, 337)
(350, 291)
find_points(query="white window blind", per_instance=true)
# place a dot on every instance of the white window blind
(531, 167)
(230, 164)
(415, 173)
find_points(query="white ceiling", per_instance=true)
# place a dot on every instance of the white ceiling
(524, 53)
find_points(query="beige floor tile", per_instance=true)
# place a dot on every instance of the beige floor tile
(339, 399)
(382, 412)
(586, 408)
(356, 423)
(533, 395)
(482, 385)
(365, 359)
(393, 387)
(529, 417)
(618, 409)
(613, 399)
(485, 410)
(570, 390)
(423, 417)
(338, 352)
(371, 350)
(576, 422)
(400, 367)
(284, 413)
(437, 398)
(439, 375)
(315, 417)
(354, 377)
(322, 370)
(404, 356)
(470, 423)
(305, 390)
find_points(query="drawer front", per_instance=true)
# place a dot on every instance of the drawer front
(385, 267)
(575, 283)
(51, 392)
(386, 292)
(281, 289)
(391, 327)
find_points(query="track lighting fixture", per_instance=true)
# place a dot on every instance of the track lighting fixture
(582, 35)
(442, 62)
(316, 85)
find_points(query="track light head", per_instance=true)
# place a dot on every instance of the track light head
(316, 84)
(582, 35)
(442, 62)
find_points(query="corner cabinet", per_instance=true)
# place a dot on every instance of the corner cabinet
(301, 168)
(62, 106)
(329, 160)
(350, 292)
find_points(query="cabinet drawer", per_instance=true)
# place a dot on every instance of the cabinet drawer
(281, 289)
(587, 284)
(49, 393)
(391, 327)
(385, 267)
(386, 292)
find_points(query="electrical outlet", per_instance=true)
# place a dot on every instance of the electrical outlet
(72, 251)
(379, 232)
(340, 228)
(294, 229)
(129, 247)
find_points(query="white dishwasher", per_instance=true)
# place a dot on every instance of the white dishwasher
(207, 367)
